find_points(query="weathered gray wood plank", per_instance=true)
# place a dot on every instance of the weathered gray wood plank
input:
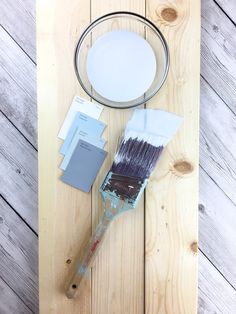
(18, 169)
(215, 294)
(18, 251)
(218, 52)
(10, 302)
(18, 87)
(229, 7)
(217, 236)
(217, 144)
(18, 18)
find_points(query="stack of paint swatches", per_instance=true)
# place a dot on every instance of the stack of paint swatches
(83, 145)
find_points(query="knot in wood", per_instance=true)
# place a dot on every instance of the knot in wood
(194, 247)
(201, 208)
(169, 14)
(183, 167)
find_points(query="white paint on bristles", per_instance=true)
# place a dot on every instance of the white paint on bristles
(153, 126)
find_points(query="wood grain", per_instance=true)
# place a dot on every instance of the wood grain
(217, 148)
(18, 87)
(218, 52)
(64, 213)
(229, 7)
(18, 168)
(216, 212)
(215, 294)
(118, 273)
(10, 302)
(172, 194)
(18, 19)
(19, 259)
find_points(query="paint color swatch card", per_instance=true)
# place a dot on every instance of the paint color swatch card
(85, 123)
(80, 135)
(84, 165)
(93, 110)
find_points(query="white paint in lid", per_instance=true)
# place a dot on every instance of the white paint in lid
(121, 66)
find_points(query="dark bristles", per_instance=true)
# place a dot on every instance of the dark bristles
(126, 188)
(136, 158)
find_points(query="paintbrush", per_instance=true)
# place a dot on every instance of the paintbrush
(146, 134)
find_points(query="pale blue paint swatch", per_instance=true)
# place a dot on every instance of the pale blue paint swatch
(84, 123)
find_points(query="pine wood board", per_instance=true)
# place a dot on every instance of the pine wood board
(130, 275)
(171, 234)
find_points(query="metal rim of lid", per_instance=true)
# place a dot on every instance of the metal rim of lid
(109, 16)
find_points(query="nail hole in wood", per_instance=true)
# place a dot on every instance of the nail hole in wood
(74, 286)
(169, 14)
(68, 261)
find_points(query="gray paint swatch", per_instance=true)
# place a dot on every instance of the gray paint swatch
(84, 165)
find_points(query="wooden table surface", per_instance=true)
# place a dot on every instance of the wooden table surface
(148, 261)
(18, 166)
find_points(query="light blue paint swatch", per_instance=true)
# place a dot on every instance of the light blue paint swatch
(80, 135)
(84, 123)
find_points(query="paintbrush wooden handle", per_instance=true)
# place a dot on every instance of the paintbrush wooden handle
(89, 255)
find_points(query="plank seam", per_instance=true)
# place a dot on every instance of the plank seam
(217, 184)
(226, 149)
(144, 214)
(5, 200)
(9, 34)
(224, 12)
(16, 294)
(217, 94)
(217, 269)
(18, 130)
(209, 300)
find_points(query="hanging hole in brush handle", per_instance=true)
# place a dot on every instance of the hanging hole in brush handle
(89, 254)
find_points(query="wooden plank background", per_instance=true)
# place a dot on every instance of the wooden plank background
(18, 210)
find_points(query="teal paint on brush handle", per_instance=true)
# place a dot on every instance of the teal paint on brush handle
(122, 187)
(113, 206)
(89, 255)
